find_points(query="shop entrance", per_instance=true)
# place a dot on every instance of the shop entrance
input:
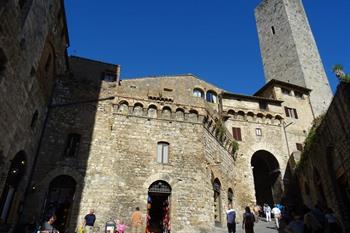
(9, 199)
(59, 201)
(267, 178)
(158, 207)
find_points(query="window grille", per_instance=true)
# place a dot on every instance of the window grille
(159, 187)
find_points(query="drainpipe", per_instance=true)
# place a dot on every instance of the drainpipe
(285, 135)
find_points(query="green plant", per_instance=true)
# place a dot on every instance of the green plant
(234, 147)
(220, 131)
(309, 142)
(338, 70)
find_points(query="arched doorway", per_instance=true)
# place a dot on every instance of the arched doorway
(217, 202)
(59, 200)
(158, 207)
(8, 203)
(267, 178)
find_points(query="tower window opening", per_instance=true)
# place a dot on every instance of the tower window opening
(163, 152)
(273, 30)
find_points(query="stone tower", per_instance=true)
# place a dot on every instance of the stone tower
(289, 51)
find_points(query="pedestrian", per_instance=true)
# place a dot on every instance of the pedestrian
(257, 212)
(267, 210)
(277, 215)
(248, 221)
(89, 221)
(121, 226)
(136, 221)
(296, 225)
(48, 226)
(332, 223)
(311, 224)
(231, 219)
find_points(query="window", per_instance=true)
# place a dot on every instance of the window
(72, 146)
(273, 30)
(285, 91)
(263, 105)
(236, 133)
(299, 146)
(21, 3)
(198, 93)
(258, 132)
(298, 94)
(291, 112)
(230, 196)
(34, 119)
(163, 152)
(168, 89)
(3, 61)
(211, 97)
(109, 76)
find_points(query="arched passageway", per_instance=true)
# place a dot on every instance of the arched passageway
(8, 202)
(59, 200)
(217, 202)
(267, 178)
(158, 207)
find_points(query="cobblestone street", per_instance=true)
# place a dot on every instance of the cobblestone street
(260, 227)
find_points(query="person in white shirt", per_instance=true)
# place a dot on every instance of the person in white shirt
(267, 210)
(277, 214)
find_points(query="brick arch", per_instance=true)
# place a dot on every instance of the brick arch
(68, 171)
(267, 176)
(152, 178)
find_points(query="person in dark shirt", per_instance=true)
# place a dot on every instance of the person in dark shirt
(89, 221)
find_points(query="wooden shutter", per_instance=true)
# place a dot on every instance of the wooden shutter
(286, 110)
(165, 153)
(295, 113)
(236, 133)
(159, 152)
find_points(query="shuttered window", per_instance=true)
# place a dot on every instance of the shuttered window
(291, 112)
(163, 152)
(236, 133)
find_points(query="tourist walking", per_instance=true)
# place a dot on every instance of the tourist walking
(311, 223)
(48, 226)
(296, 225)
(89, 221)
(332, 224)
(248, 221)
(231, 219)
(121, 226)
(136, 221)
(267, 211)
(257, 212)
(277, 215)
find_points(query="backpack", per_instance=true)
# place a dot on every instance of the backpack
(249, 220)
(231, 216)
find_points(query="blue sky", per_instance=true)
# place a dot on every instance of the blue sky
(214, 40)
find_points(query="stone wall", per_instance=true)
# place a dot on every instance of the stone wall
(323, 171)
(27, 39)
(289, 49)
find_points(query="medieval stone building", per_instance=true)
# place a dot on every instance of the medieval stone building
(323, 171)
(176, 146)
(33, 41)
